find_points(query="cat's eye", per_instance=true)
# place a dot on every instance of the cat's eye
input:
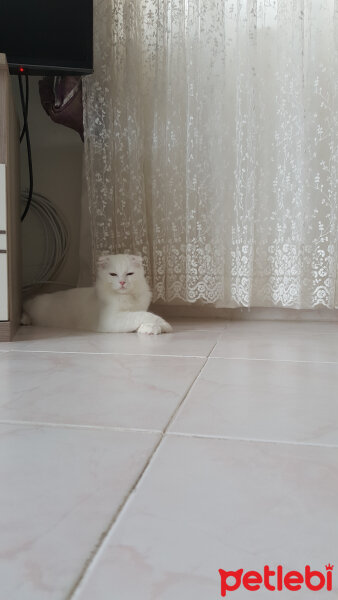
(113, 274)
(130, 273)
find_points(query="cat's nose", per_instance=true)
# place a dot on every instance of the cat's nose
(122, 282)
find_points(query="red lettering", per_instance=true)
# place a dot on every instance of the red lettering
(267, 574)
(226, 587)
(309, 575)
(252, 580)
(293, 580)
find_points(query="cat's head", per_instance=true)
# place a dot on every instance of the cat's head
(121, 273)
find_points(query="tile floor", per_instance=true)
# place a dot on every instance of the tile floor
(133, 468)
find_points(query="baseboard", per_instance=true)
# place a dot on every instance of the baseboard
(246, 314)
(7, 330)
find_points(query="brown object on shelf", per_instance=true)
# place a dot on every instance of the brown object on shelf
(10, 246)
(61, 97)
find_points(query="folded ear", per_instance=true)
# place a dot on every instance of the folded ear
(103, 261)
(136, 260)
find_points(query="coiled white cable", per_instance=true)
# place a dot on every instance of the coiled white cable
(56, 239)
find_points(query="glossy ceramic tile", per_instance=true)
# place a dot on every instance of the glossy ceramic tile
(202, 503)
(266, 400)
(279, 341)
(60, 489)
(179, 343)
(208, 504)
(94, 389)
(197, 324)
(281, 327)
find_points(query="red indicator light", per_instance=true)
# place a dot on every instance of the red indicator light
(21, 69)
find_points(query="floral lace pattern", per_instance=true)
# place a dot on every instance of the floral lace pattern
(211, 147)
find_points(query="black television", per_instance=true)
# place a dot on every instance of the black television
(46, 37)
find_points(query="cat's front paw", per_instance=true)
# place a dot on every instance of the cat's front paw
(149, 328)
(156, 326)
(165, 327)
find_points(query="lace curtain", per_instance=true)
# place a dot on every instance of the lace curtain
(211, 148)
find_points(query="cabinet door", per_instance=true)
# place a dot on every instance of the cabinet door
(3, 247)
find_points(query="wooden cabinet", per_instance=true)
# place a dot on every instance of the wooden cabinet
(10, 247)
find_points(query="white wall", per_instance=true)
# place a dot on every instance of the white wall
(57, 164)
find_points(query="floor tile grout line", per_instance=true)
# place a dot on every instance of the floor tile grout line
(100, 545)
(207, 356)
(180, 405)
(93, 557)
(23, 351)
(79, 426)
(286, 360)
(248, 440)
(164, 433)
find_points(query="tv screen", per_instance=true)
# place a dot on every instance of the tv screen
(46, 37)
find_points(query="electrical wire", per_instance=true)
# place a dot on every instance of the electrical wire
(56, 235)
(25, 132)
(56, 239)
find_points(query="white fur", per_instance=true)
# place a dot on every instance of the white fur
(117, 303)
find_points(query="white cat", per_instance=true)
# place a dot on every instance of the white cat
(117, 303)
